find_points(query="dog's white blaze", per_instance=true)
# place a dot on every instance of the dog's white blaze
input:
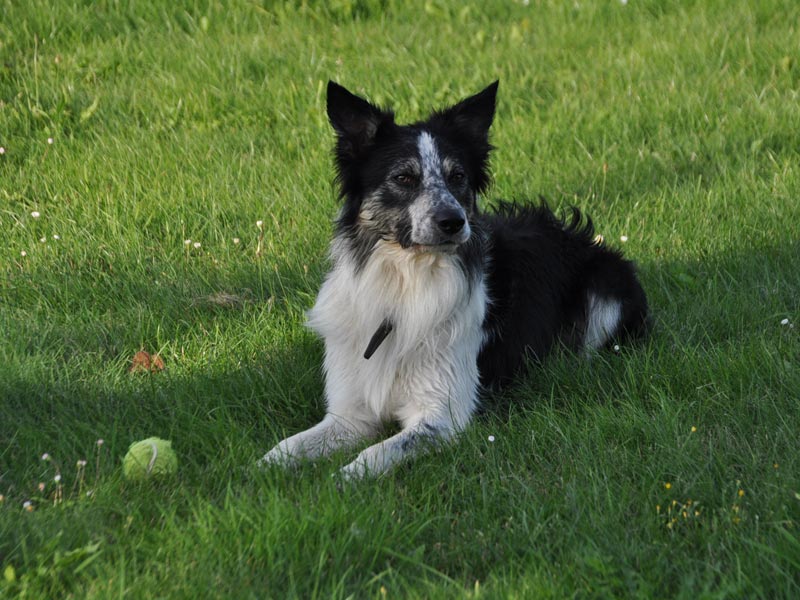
(603, 317)
(423, 230)
(429, 158)
(434, 194)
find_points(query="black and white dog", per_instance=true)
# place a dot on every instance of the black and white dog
(428, 300)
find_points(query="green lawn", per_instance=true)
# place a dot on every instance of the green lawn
(129, 127)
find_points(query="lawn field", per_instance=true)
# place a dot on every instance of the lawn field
(166, 186)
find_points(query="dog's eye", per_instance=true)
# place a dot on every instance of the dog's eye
(405, 179)
(457, 177)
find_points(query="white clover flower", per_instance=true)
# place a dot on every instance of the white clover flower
(785, 322)
(197, 245)
(45, 456)
(2, 150)
(80, 463)
(50, 140)
(23, 254)
(623, 238)
(236, 240)
(260, 224)
(187, 242)
(43, 239)
(491, 438)
(616, 347)
(57, 478)
(36, 214)
(100, 442)
(27, 505)
(56, 236)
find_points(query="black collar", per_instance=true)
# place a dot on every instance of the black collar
(383, 330)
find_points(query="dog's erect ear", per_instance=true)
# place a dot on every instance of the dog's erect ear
(467, 124)
(355, 120)
(474, 115)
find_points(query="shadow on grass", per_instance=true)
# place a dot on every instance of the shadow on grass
(263, 393)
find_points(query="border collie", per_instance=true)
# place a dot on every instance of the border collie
(429, 301)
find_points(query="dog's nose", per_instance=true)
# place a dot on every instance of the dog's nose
(450, 222)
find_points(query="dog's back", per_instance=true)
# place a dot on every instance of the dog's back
(550, 281)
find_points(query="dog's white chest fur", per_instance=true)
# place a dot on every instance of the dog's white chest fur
(428, 362)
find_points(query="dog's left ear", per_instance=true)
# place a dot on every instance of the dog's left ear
(474, 115)
(355, 120)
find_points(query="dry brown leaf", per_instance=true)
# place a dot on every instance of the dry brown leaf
(144, 362)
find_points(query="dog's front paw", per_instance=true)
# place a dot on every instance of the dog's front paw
(354, 471)
(279, 456)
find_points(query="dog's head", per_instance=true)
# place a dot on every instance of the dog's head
(416, 184)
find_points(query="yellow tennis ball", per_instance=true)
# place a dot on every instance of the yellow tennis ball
(148, 458)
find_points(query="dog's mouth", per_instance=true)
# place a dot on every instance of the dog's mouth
(441, 248)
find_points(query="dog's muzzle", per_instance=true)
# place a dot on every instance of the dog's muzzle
(438, 221)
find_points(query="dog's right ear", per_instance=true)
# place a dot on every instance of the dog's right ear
(355, 120)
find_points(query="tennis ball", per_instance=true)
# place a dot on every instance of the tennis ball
(152, 457)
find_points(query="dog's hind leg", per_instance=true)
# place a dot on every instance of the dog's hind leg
(615, 305)
(331, 434)
(603, 317)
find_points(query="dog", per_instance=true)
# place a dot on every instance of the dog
(429, 301)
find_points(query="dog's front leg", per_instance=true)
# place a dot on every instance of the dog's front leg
(331, 434)
(381, 457)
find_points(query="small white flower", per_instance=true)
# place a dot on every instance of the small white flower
(49, 140)
(197, 244)
(616, 348)
(27, 505)
(56, 236)
(43, 239)
(36, 214)
(187, 242)
(260, 224)
(100, 442)
(57, 478)
(236, 240)
(491, 438)
(2, 150)
(623, 238)
(89, 493)
(41, 486)
(81, 463)
(45, 456)
(23, 254)
(623, 2)
(785, 322)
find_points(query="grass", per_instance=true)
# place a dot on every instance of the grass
(676, 124)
